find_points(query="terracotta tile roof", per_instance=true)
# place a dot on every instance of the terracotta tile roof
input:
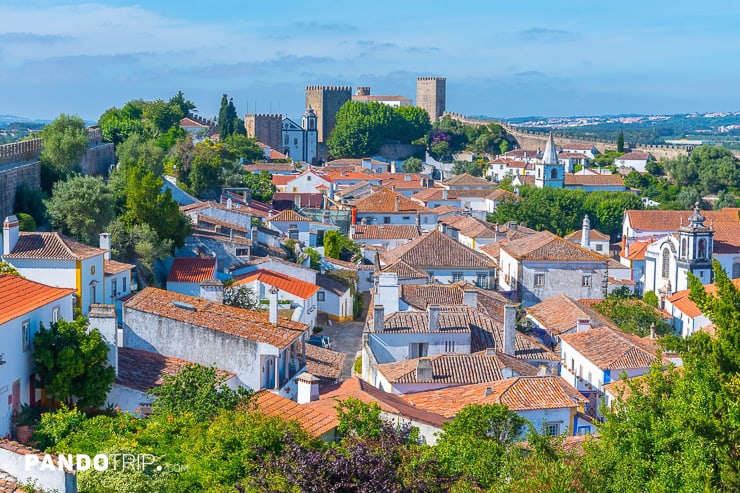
(315, 421)
(470, 226)
(726, 237)
(445, 209)
(373, 97)
(257, 167)
(352, 162)
(500, 195)
(493, 250)
(572, 155)
(436, 249)
(113, 267)
(188, 123)
(520, 153)
(342, 263)
(657, 220)
(561, 313)
(201, 220)
(488, 332)
(19, 296)
(527, 393)
(421, 295)
(594, 234)
(192, 269)
(330, 284)
(142, 370)
(339, 176)
(571, 180)
(456, 368)
(452, 319)
(612, 349)
(250, 325)
(324, 363)
(634, 156)
(431, 194)
(385, 232)
(526, 180)
(637, 250)
(547, 246)
(288, 216)
(466, 179)
(348, 190)
(51, 246)
(405, 271)
(283, 282)
(389, 403)
(282, 180)
(680, 299)
(398, 184)
(388, 201)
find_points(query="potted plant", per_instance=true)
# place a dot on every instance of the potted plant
(24, 421)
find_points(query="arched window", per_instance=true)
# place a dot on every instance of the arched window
(666, 263)
(702, 248)
(554, 173)
(736, 269)
(539, 172)
(684, 251)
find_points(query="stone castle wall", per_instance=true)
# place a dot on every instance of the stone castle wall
(537, 140)
(431, 95)
(265, 128)
(98, 160)
(11, 177)
(326, 101)
(19, 152)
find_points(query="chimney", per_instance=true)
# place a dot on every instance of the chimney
(254, 235)
(229, 203)
(507, 372)
(212, 290)
(509, 329)
(10, 234)
(273, 305)
(652, 330)
(308, 388)
(444, 194)
(513, 225)
(583, 324)
(470, 297)
(542, 371)
(586, 232)
(105, 244)
(424, 371)
(393, 167)
(103, 318)
(434, 312)
(487, 392)
(386, 292)
(378, 318)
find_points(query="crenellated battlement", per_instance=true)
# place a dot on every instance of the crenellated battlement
(329, 88)
(263, 115)
(20, 152)
(432, 78)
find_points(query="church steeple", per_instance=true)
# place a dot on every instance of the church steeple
(549, 172)
(696, 246)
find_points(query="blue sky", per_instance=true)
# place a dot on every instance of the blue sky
(501, 59)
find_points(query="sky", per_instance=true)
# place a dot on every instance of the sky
(500, 59)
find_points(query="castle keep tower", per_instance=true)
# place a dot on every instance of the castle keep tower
(326, 101)
(431, 95)
(265, 128)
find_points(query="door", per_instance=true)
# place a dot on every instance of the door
(16, 396)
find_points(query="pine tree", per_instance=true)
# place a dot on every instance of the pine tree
(620, 142)
(224, 122)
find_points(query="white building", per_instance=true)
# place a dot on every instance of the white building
(636, 160)
(263, 350)
(389, 207)
(335, 299)
(301, 142)
(57, 260)
(24, 306)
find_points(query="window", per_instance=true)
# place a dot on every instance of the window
(736, 269)
(287, 139)
(586, 281)
(320, 296)
(418, 349)
(308, 178)
(666, 263)
(702, 248)
(295, 142)
(481, 280)
(123, 284)
(242, 252)
(55, 314)
(552, 428)
(573, 366)
(386, 219)
(431, 276)
(684, 250)
(599, 247)
(406, 218)
(449, 346)
(26, 327)
(113, 288)
(554, 173)
(539, 280)
(457, 276)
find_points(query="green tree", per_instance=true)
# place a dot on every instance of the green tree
(138, 244)
(725, 198)
(412, 124)
(25, 222)
(198, 390)
(159, 116)
(65, 143)
(31, 202)
(708, 168)
(117, 125)
(359, 419)
(476, 443)
(71, 363)
(229, 122)
(260, 184)
(620, 142)
(338, 246)
(81, 207)
(205, 177)
(412, 165)
(185, 105)
(361, 128)
(469, 167)
(244, 148)
(138, 150)
(6, 268)
(633, 316)
(241, 297)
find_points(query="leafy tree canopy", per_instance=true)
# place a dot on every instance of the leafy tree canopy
(71, 363)
(241, 297)
(6, 268)
(708, 168)
(412, 165)
(81, 207)
(65, 143)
